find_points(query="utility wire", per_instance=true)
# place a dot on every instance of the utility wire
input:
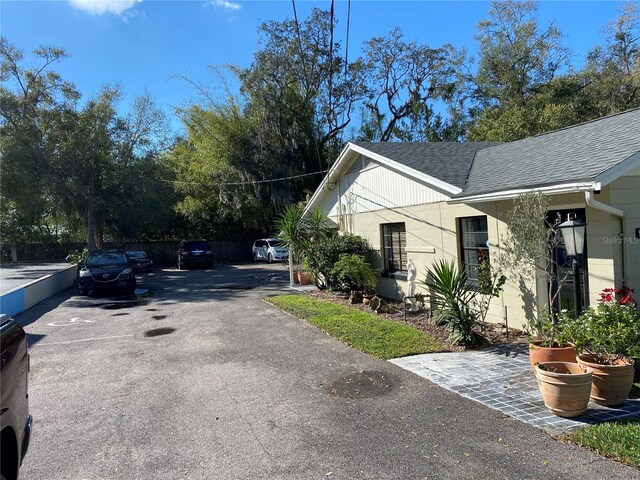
(304, 67)
(223, 184)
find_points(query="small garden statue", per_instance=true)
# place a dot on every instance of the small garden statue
(411, 285)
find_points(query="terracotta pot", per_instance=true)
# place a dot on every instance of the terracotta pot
(365, 300)
(304, 278)
(611, 383)
(539, 354)
(565, 387)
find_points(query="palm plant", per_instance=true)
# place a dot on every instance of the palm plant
(291, 232)
(300, 232)
(453, 299)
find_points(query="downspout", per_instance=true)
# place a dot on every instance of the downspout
(339, 205)
(593, 203)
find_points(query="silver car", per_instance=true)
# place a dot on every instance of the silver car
(270, 250)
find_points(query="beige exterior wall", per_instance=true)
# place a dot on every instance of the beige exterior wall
(625, 194)
(432, 233)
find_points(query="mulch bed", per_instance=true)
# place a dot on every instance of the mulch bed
(422, 320)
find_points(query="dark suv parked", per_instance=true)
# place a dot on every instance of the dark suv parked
(195, 252)
(105, 270)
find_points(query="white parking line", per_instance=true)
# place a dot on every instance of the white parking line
(83, 340)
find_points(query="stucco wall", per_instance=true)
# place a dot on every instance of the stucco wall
(625, 195)
(432, 233)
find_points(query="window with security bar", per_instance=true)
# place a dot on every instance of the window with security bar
(474, 244)
(394, 246)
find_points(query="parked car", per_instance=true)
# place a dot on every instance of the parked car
(15, 421)
(270, 250)
(139, 260)
(105, 271)
(194, 252)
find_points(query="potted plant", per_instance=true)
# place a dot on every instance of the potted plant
(607, 337)
(547, 343)
(565, 387)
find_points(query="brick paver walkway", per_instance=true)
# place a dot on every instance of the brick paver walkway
(501, 378)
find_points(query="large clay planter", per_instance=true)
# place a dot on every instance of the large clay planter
(539, 354)
(611, 383)
(565, 387)
(304, 278)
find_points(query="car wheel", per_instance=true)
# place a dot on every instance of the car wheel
(255, 257)
(270, 258)
(81, 291)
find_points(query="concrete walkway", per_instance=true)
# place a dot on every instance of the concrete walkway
(501, 378)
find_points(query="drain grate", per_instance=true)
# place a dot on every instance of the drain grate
(159, 317)
(156, 332)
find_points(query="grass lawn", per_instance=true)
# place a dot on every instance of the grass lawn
(617, 440)
(363, 331)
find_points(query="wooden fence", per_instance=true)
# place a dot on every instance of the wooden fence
(162, 253)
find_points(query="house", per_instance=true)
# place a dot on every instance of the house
(426, 201)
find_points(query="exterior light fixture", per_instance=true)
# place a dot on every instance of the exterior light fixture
(573, 234)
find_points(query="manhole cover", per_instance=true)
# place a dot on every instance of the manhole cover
(365, 384)
(159, 331)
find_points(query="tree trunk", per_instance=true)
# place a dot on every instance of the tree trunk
(97, 231)
(91, 238)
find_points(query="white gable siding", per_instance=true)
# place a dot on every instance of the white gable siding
(377, 187)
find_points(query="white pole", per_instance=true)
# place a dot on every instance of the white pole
(290, 267)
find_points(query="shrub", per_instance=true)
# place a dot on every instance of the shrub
(351, 270)
(454, 302)
(326, 253)
(608, 332)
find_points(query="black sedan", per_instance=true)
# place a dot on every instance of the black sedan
(139, 260)
(105, 271)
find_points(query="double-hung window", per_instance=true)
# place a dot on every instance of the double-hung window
(394, 246)
(474, 244)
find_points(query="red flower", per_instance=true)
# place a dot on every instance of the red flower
(607, 295)
(626, 295)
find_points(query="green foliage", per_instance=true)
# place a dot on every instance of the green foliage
(528, 249)
(616, 440)
(327, 252)
(76, 257)
(352, 271)
(490, 285)
(454, 302)
(362, 330)
(302, 232)
(608, 332)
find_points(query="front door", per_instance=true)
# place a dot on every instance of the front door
(562, 265)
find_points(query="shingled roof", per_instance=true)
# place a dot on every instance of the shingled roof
(574, 154)
(446, 161)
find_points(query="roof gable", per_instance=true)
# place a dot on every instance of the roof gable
(448, 162)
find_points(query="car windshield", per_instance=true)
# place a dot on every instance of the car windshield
(137, 254)
(105, 259)
(277, 243)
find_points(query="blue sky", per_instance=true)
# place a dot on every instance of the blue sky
(145, 44)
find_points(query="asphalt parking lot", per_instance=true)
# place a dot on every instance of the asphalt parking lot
(197, 377)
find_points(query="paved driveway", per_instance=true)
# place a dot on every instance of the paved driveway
(240, 390)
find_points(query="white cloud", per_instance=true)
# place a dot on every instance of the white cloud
(226, 5)
(98, 7)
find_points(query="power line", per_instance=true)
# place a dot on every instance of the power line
(224, 184)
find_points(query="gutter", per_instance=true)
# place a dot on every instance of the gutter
(593, 203)
(510, 194)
